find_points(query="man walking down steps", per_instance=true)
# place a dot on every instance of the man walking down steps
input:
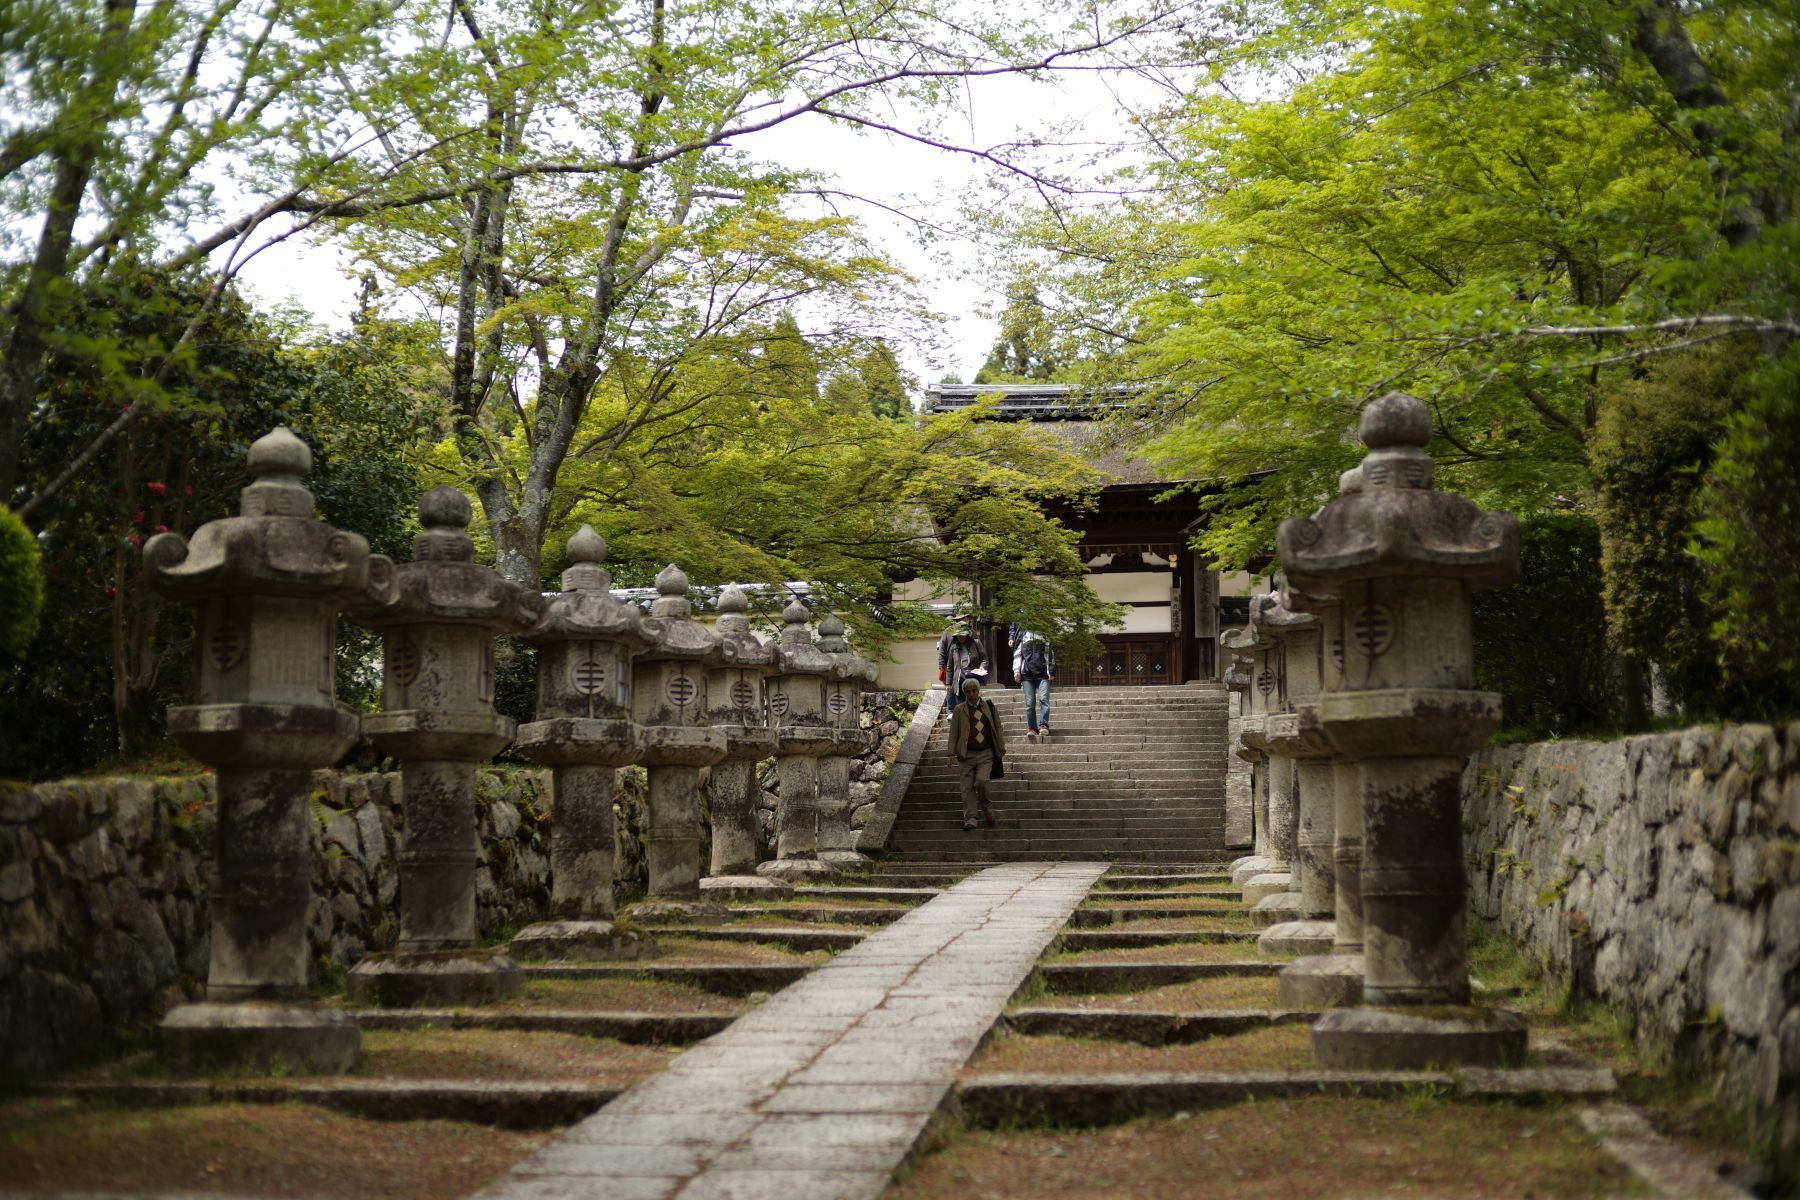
(976, 745)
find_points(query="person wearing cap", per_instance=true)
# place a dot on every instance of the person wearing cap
(976, 743)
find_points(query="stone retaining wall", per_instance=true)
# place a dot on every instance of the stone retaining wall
(103, 888)
(1660, 873)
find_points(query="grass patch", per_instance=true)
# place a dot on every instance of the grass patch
(1275, 1048)
(1175, 952)
(686, 950)
(1200, 994)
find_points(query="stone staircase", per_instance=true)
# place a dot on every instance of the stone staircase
(1130, 775)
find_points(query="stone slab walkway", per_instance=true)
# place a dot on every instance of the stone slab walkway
(820, 1093)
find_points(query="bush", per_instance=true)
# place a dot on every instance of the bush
(1747, 541)
(21, 585)
(1541, 643)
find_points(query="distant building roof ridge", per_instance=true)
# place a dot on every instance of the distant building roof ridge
(1036, 401)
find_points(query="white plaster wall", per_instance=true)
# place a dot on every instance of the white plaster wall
(1127, 587)
(914, 667)
(1145, 620)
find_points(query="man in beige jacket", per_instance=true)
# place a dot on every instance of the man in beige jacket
(976, 744)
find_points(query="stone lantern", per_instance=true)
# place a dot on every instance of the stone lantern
(803, 735)
(1277, 876)
(584, 732)
(843, 689)
(437, 717)
(737, 690)
(671, 703)
(1334, 979)
(1241, 678)
(269, 584)
(1303, 912)
(1404, 560)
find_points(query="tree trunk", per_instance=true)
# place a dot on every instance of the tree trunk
(33, 312)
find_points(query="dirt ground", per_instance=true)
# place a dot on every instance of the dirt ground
(1176, 952)
(56, 1146)
(618, 994)
(506, 1056)
(1226, 991)
(1275, 1048)
(709, 950)
(1317, 1148)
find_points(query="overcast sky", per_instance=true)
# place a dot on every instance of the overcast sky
(959, 281)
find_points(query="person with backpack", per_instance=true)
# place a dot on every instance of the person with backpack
(977, 748)
(1033, 664)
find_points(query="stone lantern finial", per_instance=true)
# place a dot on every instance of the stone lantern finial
(796, 633)
(587, 550)
(671, 593)
(278, 462)
(733, 605)
(445, 514)
(1396, 429)
(831, 635)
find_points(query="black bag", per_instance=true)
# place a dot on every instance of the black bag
(998, 771)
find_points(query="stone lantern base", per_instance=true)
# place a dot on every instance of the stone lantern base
(1260, 887)
(1279, 908)
(1295, 938)
(306, 1040)
(655, 911)
(1413, 1039)
(847, 860)
(752, 888)
(1245, 869)
(582, 941)
(434, 978)
(1322, 981)
(797, 870)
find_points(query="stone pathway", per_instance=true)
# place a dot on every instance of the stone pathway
(820, 1093)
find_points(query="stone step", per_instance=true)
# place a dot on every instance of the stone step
(1180, 830)
(1194, 865)
(1074, 800)
(646, 1028)
(1140, 856)
(1057, 811)
(1022, 848)
(1135, 939)
(902, 895)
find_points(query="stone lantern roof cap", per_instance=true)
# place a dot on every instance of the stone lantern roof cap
(443, 583)
(1257, 635)
(274, 546)
(586, 609)
(672, 623)
(1277, 618)
(742, 646)
(797, 654)
(1294, 600)
(1394, 523)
